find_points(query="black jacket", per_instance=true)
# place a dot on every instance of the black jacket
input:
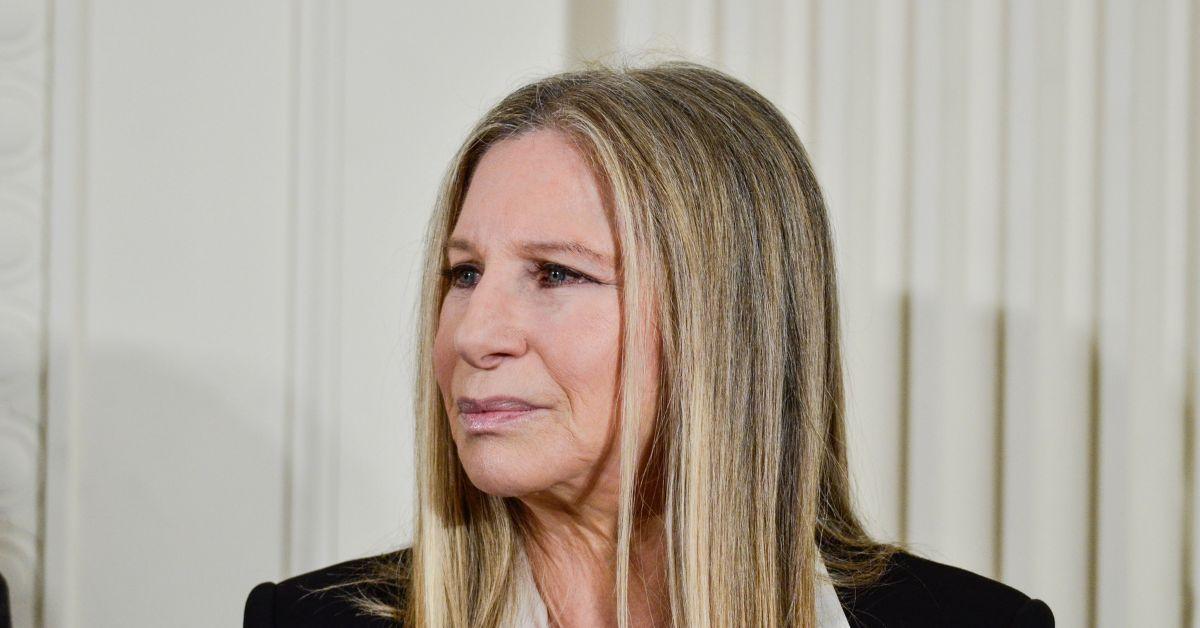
(914, 592)
(5, 612)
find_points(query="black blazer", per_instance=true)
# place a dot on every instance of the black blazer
(913, 592)
(5, 611)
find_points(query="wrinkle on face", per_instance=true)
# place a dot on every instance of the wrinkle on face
(509, 335)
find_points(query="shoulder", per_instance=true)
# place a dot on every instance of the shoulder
(915, 591)
(324, 597)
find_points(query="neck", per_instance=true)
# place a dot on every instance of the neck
(573, 558)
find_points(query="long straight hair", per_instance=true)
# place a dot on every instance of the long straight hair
(723, 238)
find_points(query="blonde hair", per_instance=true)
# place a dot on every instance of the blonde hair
(715, 206)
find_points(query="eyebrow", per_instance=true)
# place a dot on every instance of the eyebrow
(542, 247)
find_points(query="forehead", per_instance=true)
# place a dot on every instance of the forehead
(535, 186)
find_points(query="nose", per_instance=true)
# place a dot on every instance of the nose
(489, 330)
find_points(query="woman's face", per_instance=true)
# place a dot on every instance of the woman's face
(527, 348)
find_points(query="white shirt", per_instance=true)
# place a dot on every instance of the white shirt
(532, 613)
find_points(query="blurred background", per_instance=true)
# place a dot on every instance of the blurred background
(211, 214)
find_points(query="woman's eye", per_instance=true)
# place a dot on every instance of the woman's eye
(553, 275)
(548, 275)
(458, 274)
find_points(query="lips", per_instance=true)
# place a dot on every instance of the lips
(489, 414)
(467, 405)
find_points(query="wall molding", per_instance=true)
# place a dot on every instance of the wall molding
(23, 93)
(313, 419)
(64, 331)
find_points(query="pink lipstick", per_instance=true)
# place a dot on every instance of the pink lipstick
(488, 414)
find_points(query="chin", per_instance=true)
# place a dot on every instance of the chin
(505, 469)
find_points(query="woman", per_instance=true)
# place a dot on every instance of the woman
(629, 402)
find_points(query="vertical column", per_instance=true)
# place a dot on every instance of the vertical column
(751, 40)
(925, 438)
(876, 334)
(976, 419)
(952, 401)
(857, 145)
(829, 141)
(635, 25)
(1179, 153)
(1141, 318)
(1068, 541)
(797, 46)
(313, 418)
(1048, 325)
(64, 321)
(1021, 267)
(1191, 576)
(1115, 196)
(23, 113)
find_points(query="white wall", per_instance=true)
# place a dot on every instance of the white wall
(211, 212)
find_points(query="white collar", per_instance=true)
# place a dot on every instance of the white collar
(829, 608)
(532, 613)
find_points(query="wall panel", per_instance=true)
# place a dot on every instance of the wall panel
(1047, 397)
(1016, 174)
(177, 446)
(23, 116)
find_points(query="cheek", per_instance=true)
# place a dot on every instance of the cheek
(581, 351)
(444, 354)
